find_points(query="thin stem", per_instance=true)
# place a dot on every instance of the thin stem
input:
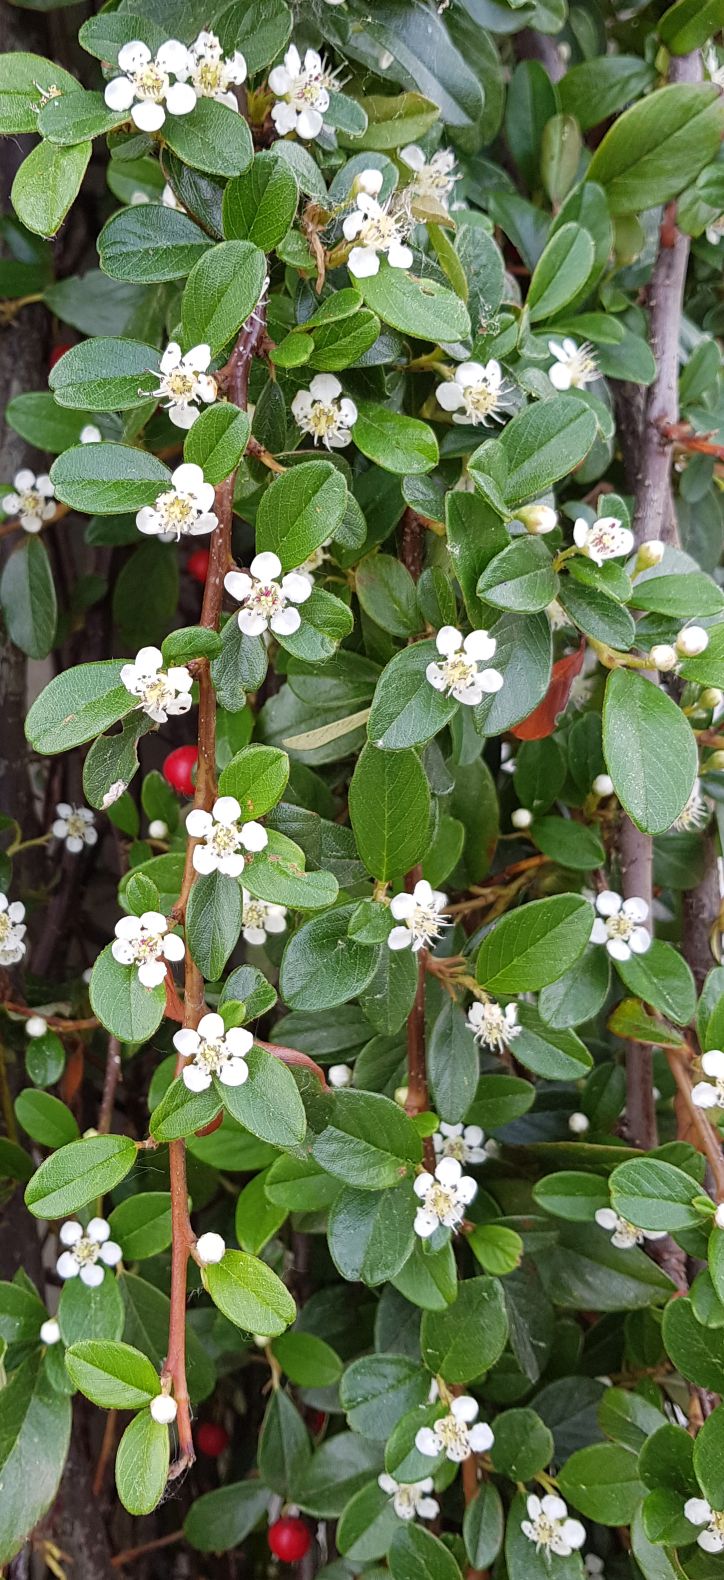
(130, 1553)
(709, 1142)
(107, 1446)
(113, 1071)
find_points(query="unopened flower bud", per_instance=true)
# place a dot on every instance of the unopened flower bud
(538, 519)
(719, 1216)
(163, 1409)
(158, 829)
(692, 641)
(36, 1026)
(603, 784)
(339, 1075)
(715, 763)
(401, 1095)
(579, 1124)
(650, 554)
(663, 656)
(49, 1331)
(711, 697)
(210, 1248)
(521, 817)
(369, 181)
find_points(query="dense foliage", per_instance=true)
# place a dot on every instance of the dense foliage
(360, 1005)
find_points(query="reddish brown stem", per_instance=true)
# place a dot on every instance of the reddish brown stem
(709, 1143)
(681, 434)
(113, 1071)
(130, 1553)
(107, 1447)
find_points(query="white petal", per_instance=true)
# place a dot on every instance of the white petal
(426, 1442)
(479, 645)
(640, 941)
(66, 1265)
(325, 387)
(618, 949)
(296, 587)
(712, 1063)
(111, 1253)
(226, 810)
(239, 1041)
(399, 938)
(147, 116)
(92, 1275)
(199, 823)
(464, 1408)
(98, 1229)
(559, 376)
(399, 257)
(233, 1072)
(697, 1510)
(187, 1041)
(119, 94)
(131, 57)
(173, 947)
(152, 973)
(637, 909)
(481, 1437)
(286, 622)
(70, 1233)
(309, 124)
(254, 836)
(599, 934)
(363, 262)
(267, 567)
(449, 395)
(608, 903)
(196, 1078)
(181, 99)
(171, 357)
(238, 584)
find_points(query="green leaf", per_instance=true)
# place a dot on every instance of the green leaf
(104, 374)
(148, 243)
(76, 706)
(561, 271)
(371, 1234)
(468, 1337)
(650, 750)
(250, 1294)
(661, 978)
(568, 1194)
(543, 443)
(77, 1173)
(322, 967)
(70, 118)
(224, 1518)
(45, 1119)
(182, 1112)
(213, 922)
(268, 1104)
(368, 1525)
(389, 807)
(421, 45)
(523, 1445)
(307, 1359)
(142, 1224)
(696, 1351)
(368, 1142)
(217, 441)
(416, 1554)
(578, 995)
(142, 1461)
(337, 1470)
(593, 90)
(602, 1482)
(709, 1456)
(214, 139)
(657, 147)
(388, 594)
(688, 24)
(397, 443)
(406, 709)
(429, 1278)
(655, 1195)
(260, 205)
(115, 1376)
(682, 596)
(222, 290)
(452, 1064)
(257, 776)
(377, 1390)
(570, 844)
(556, 1055)
(46, 185)
(520, 578)
(33, 1446)
(256, 1219)
(416, 307)
(534, 945)
(523, 655)
(483, 1524)
(299, 511)
(126, 1008)
(105, 479)
(284, 1447)
(24, 78)
(597, 615)
(27, 597)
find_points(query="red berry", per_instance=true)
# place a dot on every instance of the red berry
(58, 351)
(197, 565)
(211, 1439)
(178, 769)
(316, 1421)
(289, 1539)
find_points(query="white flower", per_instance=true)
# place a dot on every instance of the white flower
(163, 1409)
(663, 656)
(89, 433)
(410, 1498)
(603, 785)
(618, 925)
(145, 941)
(459, 676)
(222, 835)
(184, 508)
(578, 1124)
(339, 1075)
(692, 641)
(36, 1026)
(710, 1094)
(302, 93)
(550, 1528)
(75, 825)
(420, 914)
(474, 392)
(182, 382)
(444, 1196)
(492, 1026)
(463, 1142)
(210, 1248)
(162, 692)
(625, 1234)
(89, 1252)
(376, 229)
(32, 500)
(696, 813)
(213, 73)
(319, 411)
(12, 931)
(574, 366)
(538, 519)
(432, 178)
(699, 1512)
(260, 918)
(521, 817)
(145, 87)
(49, 1331)
(605, 540)
(455, 1435)
(212, 1050)
(266, 600)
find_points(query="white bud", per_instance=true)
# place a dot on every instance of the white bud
(36, 1026)
(369, 181)
(339, 1075)
(210, 1248)
(521, 817)
(163, 1409)
(158, 829)
(663, 656)
(650, 554)
(401, 1095)
(603, 784)
(87, 974)
(692, 641)
(49, 1331)
(719, 1216)
(89, 434)
(538, 519)
(579, 1124)
(711, 697)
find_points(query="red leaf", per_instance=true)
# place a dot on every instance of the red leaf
(542, 721)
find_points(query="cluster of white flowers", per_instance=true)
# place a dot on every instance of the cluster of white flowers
(624, 1234)
(444, 1196)
(410, 1498)
(699, 1512)
(268, 603)
(261, 917)
(221, 834)
(690, 642)
(618, 925)
(474, 393)
(12, 931)
(574, 365)
(183, 381)
(457, 1435)
(212, 1050)
(75, 825)
(302, 93)
(376, 228)
(549, 1526)
(89, 1251)
(431, 178)
(145, 87)
(212, 73)
(146, 943)
(162, 692)
(31, 500)
(710, 1094)
(182, 510)
(319, 411)
(606, 539)
(460, 675)
(491, 1025)
(419, 914)
(465, 1143)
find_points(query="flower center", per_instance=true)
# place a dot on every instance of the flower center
(628, 1231)
(716, 1523)
(266, 599)
(442, 1201)
(6, 926)
(451, 1433)
(582, 367)
(180, 384)
(480, 399)
(458, 671)
(425, 923)
(323, 419)
(224, 838)
(76, 825)
(212, 1055)
(210, 77)
(255, 914)
(30, 502)
(455, 1147)
(147, 947)
(177, 511)
(86, 1251)
(380, 230)
(405, 1498)
(620, 926)
(150, 82)
(545, 1530)
(157, 692)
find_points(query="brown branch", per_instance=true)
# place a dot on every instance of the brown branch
(55, 1022)
(708, 1136)
(113, 1071)
(681, 434)
(130, 1553)
(108, 1444)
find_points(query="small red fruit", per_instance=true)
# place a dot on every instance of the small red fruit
(178, 769)
(289, 1539)
(58, 351)
(211, 1439)
(197, 565)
